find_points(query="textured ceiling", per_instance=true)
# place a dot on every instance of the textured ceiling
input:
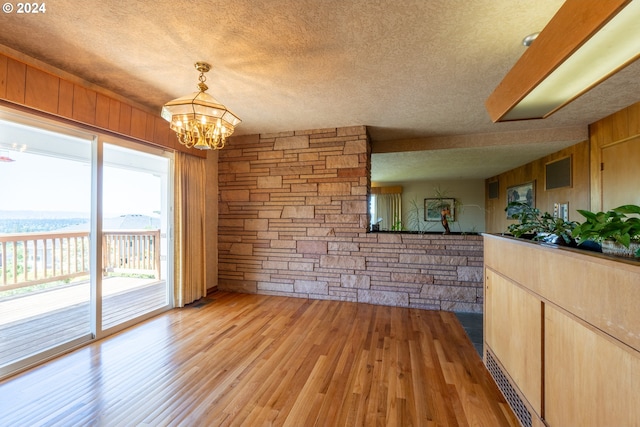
(413, 69)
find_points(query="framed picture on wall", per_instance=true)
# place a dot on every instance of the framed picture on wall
(433, 209)
(523, 193)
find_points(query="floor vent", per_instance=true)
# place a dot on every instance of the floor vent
(519, 409)
(200, 303)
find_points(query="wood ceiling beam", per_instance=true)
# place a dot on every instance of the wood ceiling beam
(539, 136)
(574, 23)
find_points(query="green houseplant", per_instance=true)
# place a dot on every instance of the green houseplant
(540, 226)
(614, 229)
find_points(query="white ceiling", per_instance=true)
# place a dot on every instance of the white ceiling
(416, 70)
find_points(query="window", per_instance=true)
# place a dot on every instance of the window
(84, 236)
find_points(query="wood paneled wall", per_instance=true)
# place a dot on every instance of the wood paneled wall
(577, 195)
(40, 90)
(614, 129)
(586, 191)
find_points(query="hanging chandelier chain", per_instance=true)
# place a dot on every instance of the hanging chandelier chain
(203, 67)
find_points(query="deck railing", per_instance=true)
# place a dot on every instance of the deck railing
(28, 259)
(132, 251)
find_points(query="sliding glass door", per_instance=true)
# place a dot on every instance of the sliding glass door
(134, 234)
(85, 244)
(45, 211)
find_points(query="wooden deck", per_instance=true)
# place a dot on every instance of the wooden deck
(36, 322)
(255, 360)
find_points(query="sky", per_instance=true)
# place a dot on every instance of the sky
(45, 183)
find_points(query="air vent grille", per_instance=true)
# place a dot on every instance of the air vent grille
(518, 407)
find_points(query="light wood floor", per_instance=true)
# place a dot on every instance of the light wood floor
(36, 322)
(250, 360)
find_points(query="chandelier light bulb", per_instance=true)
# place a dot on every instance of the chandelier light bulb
(198, 120)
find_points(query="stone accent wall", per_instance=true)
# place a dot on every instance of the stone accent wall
(292, 221)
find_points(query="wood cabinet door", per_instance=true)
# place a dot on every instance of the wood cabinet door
(514, 334)
(591, 379)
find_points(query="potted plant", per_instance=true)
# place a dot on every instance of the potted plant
(618, 233)
(537, 226)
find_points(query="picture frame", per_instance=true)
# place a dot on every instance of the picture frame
(523, 193)
(434, 206)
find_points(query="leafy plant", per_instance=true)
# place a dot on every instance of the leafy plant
(415, 215)
(613, 224)
(542, 226)
(397, 224)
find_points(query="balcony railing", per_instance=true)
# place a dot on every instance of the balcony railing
(33, 258)
(133, 251)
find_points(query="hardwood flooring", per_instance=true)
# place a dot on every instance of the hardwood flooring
(35, 323)
(250, 360)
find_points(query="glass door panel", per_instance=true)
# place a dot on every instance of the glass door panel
(45, 210)
(135, 229)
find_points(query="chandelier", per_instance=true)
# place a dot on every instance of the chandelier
(198, 119)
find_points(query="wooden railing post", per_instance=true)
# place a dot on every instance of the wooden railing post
(156, 251)
(130, 251)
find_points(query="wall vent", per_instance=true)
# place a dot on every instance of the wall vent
(518, 407)
(494, 190)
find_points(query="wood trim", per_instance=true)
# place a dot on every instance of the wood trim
(574, 23)
(76, 124)
(494, 139)
(65, 100)
(124, 123)
(620, 125)
(634, 119)
(7, 52)
(40, 89)
(160, 132)
(149, 127)
(138, 123)
(102, 111)
(84, 105)
(114, 115)
(3, 76)
(16, 78)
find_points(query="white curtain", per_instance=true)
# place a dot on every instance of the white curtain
(190, 239)
(389, 208)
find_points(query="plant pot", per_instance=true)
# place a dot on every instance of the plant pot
(611, 247)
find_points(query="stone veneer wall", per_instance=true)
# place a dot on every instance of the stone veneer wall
(293, 219)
